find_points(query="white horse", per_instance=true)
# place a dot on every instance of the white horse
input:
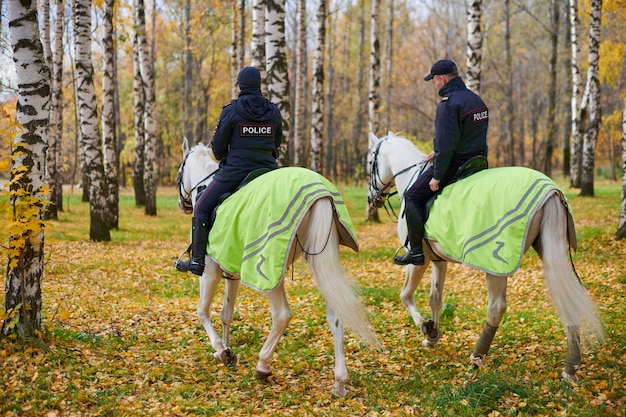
(318, 236)
(395, 161)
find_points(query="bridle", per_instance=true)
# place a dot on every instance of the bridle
(184, 196)
(378, 195)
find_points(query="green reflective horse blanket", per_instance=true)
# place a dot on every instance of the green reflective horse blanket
(483, 220)
(255, 227)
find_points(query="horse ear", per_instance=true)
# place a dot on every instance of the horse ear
(185, 146)
(373, 139)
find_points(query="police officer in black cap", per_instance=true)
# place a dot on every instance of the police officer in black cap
(460, 133)
(246, 138)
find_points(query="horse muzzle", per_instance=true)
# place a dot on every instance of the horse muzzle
(185, 207)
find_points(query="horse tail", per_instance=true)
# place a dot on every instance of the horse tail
(328, 274)
(569, 297)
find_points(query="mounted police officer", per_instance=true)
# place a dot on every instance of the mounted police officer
(460, 134)
(246, 138)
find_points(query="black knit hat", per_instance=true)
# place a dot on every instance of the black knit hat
(443, 67)
(249, 77)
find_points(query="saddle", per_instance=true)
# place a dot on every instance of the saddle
(471, 166)
(248, 178)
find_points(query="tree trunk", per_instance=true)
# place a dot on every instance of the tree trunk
(577, 137)
(140, 140)
(109, 130)
(234, 56)
(509, 116)
(27, 186)
(277, 70)
(389, 64)
(593, 83)
(621, 226)
(55, 129)
(298, 121)
(474, 51)
(257, 47)
(552, 130)
(188, 79)
(92, 144)
(149, 117)
(317, 110)
(374, 90)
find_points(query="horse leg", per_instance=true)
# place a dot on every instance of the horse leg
(496, 306)
(281, 315)
(208, 286)
(341, 371)
(412, 277)
(431, 327)
(228, 357)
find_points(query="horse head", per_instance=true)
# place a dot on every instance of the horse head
(393, 161)
(196, 170)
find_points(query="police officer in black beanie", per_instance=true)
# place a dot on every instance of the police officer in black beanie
(246, 138)
(460, 134)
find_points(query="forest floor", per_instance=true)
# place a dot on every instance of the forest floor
(120, 336)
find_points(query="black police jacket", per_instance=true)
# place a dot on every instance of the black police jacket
(246, 136)
(460, 128)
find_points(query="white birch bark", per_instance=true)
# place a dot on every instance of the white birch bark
(298, 122)
(257, 44)
(149, 115)
(374, 86)
(277, 69)
(108, 117)
(27, 185)
(474, 50)
(140, 137)
(88, 115)
(55, 129)
(591, 133)
(576, 147)
(317, 110)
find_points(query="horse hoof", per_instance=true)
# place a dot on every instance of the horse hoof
(431, 332)
(569, 377)
(477, 361)
(229, 358)
(339, 390)
(263, 376)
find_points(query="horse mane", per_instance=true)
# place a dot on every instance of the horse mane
(408, 146)
(203, 155)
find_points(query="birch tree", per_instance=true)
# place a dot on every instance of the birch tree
(577, 137)
(593, 85)
(27, 187)
(621, 226)
(99, 229)
(298, 121)
(317, 110)
(277, 69)
(55, 129)
(149, 115)
(108, 118)
(140, 140)
(474, 49)
(374, 86)
(389, 64)
(552, 129)
(257, 45)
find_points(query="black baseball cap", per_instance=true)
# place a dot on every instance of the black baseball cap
(442, 67)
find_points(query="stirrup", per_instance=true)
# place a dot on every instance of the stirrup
(413, 258)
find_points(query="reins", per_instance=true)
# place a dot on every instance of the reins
(185, 199)
(379, 193)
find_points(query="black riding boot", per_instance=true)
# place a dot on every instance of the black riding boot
(199, 240)
(415, 229)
